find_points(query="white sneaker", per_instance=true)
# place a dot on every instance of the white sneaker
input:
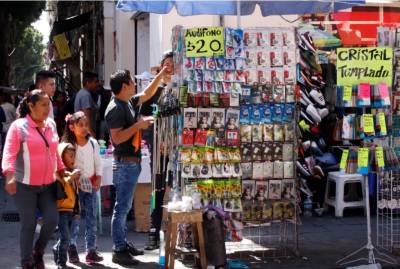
(317, 97)
(312, 111)
(323, 112)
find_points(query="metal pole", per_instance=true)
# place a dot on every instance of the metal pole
(238, 14)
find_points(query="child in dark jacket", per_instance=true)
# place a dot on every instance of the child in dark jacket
(68, 208)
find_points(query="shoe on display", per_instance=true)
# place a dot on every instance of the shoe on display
(313, 112)
(308, 41)
(133, 250)
(315, 149)
(310, 162)
(124, 258)
(315, 130)
(304, 116)
(327, 159)
(318, 97)
(323, 112)
(303, 169)
(55, 255)
(306, 145)
(321, 144)
(93, 257)
(73, 256)
(304, 187)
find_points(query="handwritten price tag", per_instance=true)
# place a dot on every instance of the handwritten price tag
(343, 160)
(368, 120)
(363, 157)
(205, 42)
(382, 122)
(347, 92)
(379, 157)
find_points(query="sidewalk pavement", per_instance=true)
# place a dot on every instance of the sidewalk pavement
(322, 241)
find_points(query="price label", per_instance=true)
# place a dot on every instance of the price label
(382, 122)
(363, 157)
(343, 161)
(347, 92)
(205, 42)
(379, 156)
(368, 120)
(364, 90)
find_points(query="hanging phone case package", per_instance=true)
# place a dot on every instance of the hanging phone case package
(205, 171)
(187, 137)
(255, 95)
(275, 37)
(236, 170)
(277, 113)
(201, 137)
(278, 169)
(245, 97)
(274, 189)
(289, 75)
(230, 53)
(288, 170)
(267, 93)
(185, 155)
(289, 57)
(186, 170)
(268, 169)
(188, 63)
(278, 132)
(256, 150)
(290, 93)
(258, 170)
(288, 38)
(277, 151)
(256, 114)
(250, 76)
(247, 170)
(262, 58)
(197, 155)
(232, 138)
(199, 63)
(246, 152)
(245, 114)
(241, 63)
(287, 152)
(289, 132)
(268, 151)
(288, 115)
(229, 64)
(268, 132)
(364, 95)
(277, 76)
(227, 170)
(250, 38)
(275, 56)
(279, 93)
(263, 38)
(208, 155)
(210, 63)
(190, 117)
(245, 133)
(267, 113)
(217, 170)
(257, 133)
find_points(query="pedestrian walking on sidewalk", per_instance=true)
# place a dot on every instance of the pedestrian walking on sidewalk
(30, 162)
(88, 161)
(125, 127)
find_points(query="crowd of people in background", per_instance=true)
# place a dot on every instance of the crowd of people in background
(52, 165)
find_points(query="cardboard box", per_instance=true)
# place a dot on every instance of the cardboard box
(142, 207)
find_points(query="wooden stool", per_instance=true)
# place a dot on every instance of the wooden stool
(195, 218)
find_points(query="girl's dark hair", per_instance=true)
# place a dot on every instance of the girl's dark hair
(166, 55)
(31, 97)
(69, 136)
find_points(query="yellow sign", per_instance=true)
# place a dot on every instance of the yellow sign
(62, 46)
(343, 161)
(347, 92)
(379, 156)
(382, 122)
(362, 157)
(368, 120)
(364, 65)
(205, 42)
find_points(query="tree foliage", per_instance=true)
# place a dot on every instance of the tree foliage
(27, 58)
(15, 16)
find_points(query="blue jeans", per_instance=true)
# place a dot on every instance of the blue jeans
(61, 246)
(125, 176)
(88, 202)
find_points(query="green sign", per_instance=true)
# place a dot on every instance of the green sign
(364, 65)
(204, 42)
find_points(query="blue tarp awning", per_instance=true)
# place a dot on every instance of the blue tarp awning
(229, 7)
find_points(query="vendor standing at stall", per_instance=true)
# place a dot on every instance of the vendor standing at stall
(125, 126)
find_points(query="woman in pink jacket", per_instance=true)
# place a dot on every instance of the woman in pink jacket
(30, 163)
